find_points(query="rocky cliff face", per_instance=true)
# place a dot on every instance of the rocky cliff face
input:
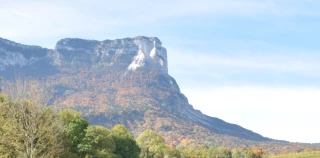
(15, 59)
(126, 54)
(132, 53)
(118, 81)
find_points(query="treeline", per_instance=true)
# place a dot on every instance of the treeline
(221, 152)
(305, 154)
(30, 130)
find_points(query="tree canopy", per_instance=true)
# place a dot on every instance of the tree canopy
(151, 144)
(126, 146)
(27, 130)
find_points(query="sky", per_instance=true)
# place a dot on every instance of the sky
(254, 63)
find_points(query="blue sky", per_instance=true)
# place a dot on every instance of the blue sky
(250, 62)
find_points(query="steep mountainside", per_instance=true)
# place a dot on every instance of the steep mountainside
(122, 81)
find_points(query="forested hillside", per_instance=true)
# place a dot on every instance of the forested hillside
(28, 129)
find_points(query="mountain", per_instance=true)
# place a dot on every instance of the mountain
(122, 81)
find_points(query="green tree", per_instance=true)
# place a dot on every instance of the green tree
(28, 130)
(126, 146)
(219, 152)
(194, 151)
(97, 143)
(151, 144)
(236, 153)
(74, 129)
(171, 152)
(212, 152)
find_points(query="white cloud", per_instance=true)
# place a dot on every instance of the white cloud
(281, 113)
(234, 63)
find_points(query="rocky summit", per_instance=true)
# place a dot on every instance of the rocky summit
(120, 81)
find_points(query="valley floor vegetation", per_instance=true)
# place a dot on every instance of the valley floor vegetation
(305, 154)
(30, 129)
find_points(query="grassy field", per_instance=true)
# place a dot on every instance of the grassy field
(311, 154)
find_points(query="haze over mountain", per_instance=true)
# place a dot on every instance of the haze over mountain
(122, 81)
